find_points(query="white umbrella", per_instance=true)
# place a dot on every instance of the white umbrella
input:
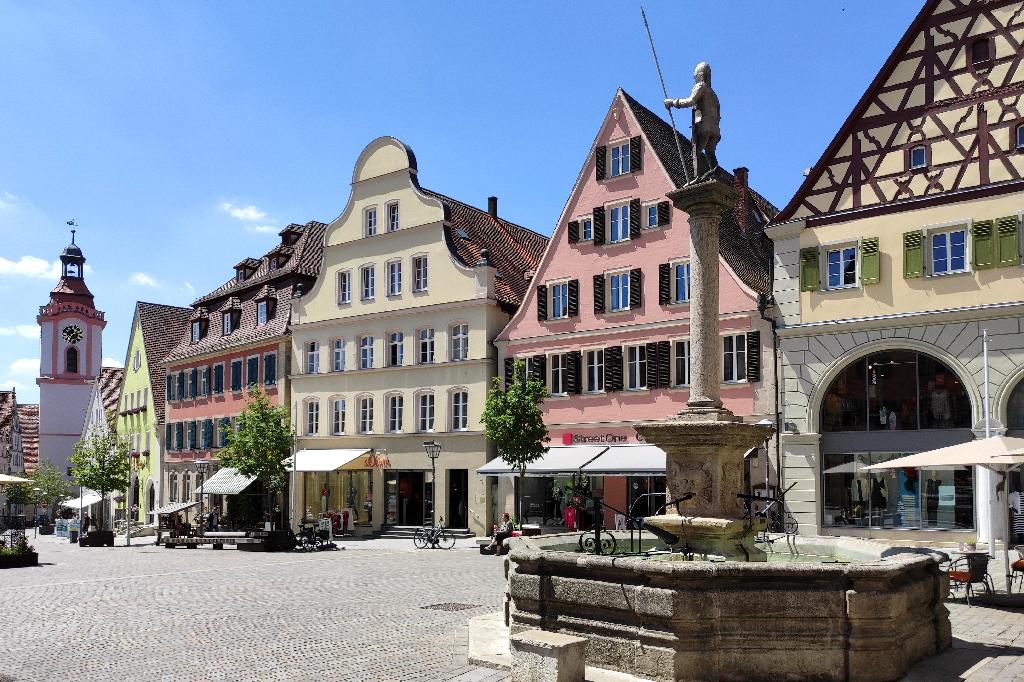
(7, 479)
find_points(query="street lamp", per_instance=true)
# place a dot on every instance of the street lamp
(202, 465)
(433, 449)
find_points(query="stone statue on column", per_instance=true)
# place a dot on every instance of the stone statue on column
(705, 133)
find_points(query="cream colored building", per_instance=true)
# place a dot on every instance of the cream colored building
(392, 347)
(897, 254)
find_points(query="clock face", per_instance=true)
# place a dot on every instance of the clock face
(72, 334)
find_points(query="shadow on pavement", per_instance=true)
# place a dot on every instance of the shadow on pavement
(960, 663)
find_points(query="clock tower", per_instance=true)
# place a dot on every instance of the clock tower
(71, 352)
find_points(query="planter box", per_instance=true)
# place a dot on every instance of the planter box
(97, 538)
(19, 560)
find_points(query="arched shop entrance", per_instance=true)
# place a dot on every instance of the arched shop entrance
(886, 405)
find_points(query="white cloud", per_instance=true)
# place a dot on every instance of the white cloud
(111, 362)
(189, 288)
(8, 384)
(29, 331)
(25, 367)
(262, 229)
(7, 201)
(30, 266)
(141, 279)
(246, 213)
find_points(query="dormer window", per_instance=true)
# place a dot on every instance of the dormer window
(290, 235)
(246, 269)
(228, 323)
(197, 331)
(240, 276)
(918, 157)
(981, 53)
(273, 263)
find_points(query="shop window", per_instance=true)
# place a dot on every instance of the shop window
(894, 498)
(895, 391)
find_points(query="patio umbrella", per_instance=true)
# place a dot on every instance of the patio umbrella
(7, 479)
(999, 454)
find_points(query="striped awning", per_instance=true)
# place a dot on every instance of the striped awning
(226, 481)
(173, 507)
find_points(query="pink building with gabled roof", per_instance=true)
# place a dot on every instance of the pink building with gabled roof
(606, 320)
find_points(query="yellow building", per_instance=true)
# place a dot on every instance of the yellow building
(392, 347)
(894, 257)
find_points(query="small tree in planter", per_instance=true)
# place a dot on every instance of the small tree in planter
(100, 463)
(514, 423)
(52, 485)
(19, 495)
(262, 444)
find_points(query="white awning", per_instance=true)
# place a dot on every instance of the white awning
(995, 453)
(86, 500)
(557, 461)
(226, 481)
(173, 507)
(628, 460)
(328, 460)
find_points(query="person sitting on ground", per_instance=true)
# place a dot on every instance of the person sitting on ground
(502, 531)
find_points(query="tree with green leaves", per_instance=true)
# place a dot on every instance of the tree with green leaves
(19, 494)
(261, 444)
(514, 423)
(51, 485)
(100, 463)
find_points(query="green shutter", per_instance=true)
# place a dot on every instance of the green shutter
(1008, 241)
(913, 254)
(869, 267)
(983, 246)
(809, 269)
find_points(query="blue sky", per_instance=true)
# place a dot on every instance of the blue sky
(183, 135)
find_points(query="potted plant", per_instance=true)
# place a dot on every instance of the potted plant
(19, 555)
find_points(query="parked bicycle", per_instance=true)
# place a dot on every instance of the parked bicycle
(438, 536)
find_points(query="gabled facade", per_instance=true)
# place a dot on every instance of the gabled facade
(605, 323)
(102, 402)
(28, 425)
(393, 346)
(11, 455)
(901, 247)
(235, 337)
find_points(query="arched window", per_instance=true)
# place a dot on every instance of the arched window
(1015, 410)
(172, 486)
(71, 360)
(150, 497)
(312, 417)
(895, 390)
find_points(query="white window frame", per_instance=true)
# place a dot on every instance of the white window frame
(370, 221)
(946, 229)
(394, 273)
(635, 354)
(197, 331)
(399, 343)
(558, 373)
(366, 352)
(458, 341)
(686, 297)
(841, 248)
(368, 282)
(610, 278)
(392, 215)
(312, 417)
(312, 357)
(622, 147)
(338, 355)
(622, 210)
(338, 410)
(365, 405)
(732, 360)
(226, 327)
(459, 409)
(426, 339)
(344, 280)
(262, 312)
(420, 274)
(910, 157)
(677, 381)
(586, 236)
(394, 404)
(553, 300)
(426, 412)
(594, 384)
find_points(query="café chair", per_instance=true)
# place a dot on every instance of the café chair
(969, 570)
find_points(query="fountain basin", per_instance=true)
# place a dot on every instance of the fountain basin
(869, 620)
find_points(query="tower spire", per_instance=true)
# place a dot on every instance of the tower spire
(73, 225)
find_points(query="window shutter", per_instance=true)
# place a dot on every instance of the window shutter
(613, 368)
(510, 367)
(599, 294)
(598, 225)
(636, 290)
(809, 269)
(664, 212)
(574, 298)
(664, 364)
(634, 219)
(913, 254)
(869, 265)
(653, 368)
(575, 374)
(984, 247)
(664, 283)
(542, 302)
(168, 436)
(636, 154)
(538, 368)
(170, 388)
(574, 231)
(600, 161)
(754, 356)
(1008, 241)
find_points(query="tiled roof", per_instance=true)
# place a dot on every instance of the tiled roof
(278, 285)
(513, 249)
(8, 402)
(109, 385)
(162, 327)
(71, 290)
(28, 419)
(747, 251)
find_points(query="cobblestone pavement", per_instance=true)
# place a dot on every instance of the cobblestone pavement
(149, 613)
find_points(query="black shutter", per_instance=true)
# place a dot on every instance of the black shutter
(664, 364)
(664, 212)
(538, 368)
(169, 437)
(574, 373)
(600, 161)
(510, 367)
(599, 294)
(598, 225)
(754, 356)
(636, 291)
(634, 219)
(542, 302)
(636, 155)
(613, 368)
(574, 298)
(653, 378)
(574, 231)
(664, 283)
(170, 388)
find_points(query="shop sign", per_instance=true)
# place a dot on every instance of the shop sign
(595, 439)
(376, 461)
(947, 495)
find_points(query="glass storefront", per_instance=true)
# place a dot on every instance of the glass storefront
(894, 498)
(337, 493)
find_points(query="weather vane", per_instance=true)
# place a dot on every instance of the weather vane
(73, 225)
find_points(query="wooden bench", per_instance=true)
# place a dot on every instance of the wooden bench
(218, 540)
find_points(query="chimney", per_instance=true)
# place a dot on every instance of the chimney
(740, 180)
(492, 206)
